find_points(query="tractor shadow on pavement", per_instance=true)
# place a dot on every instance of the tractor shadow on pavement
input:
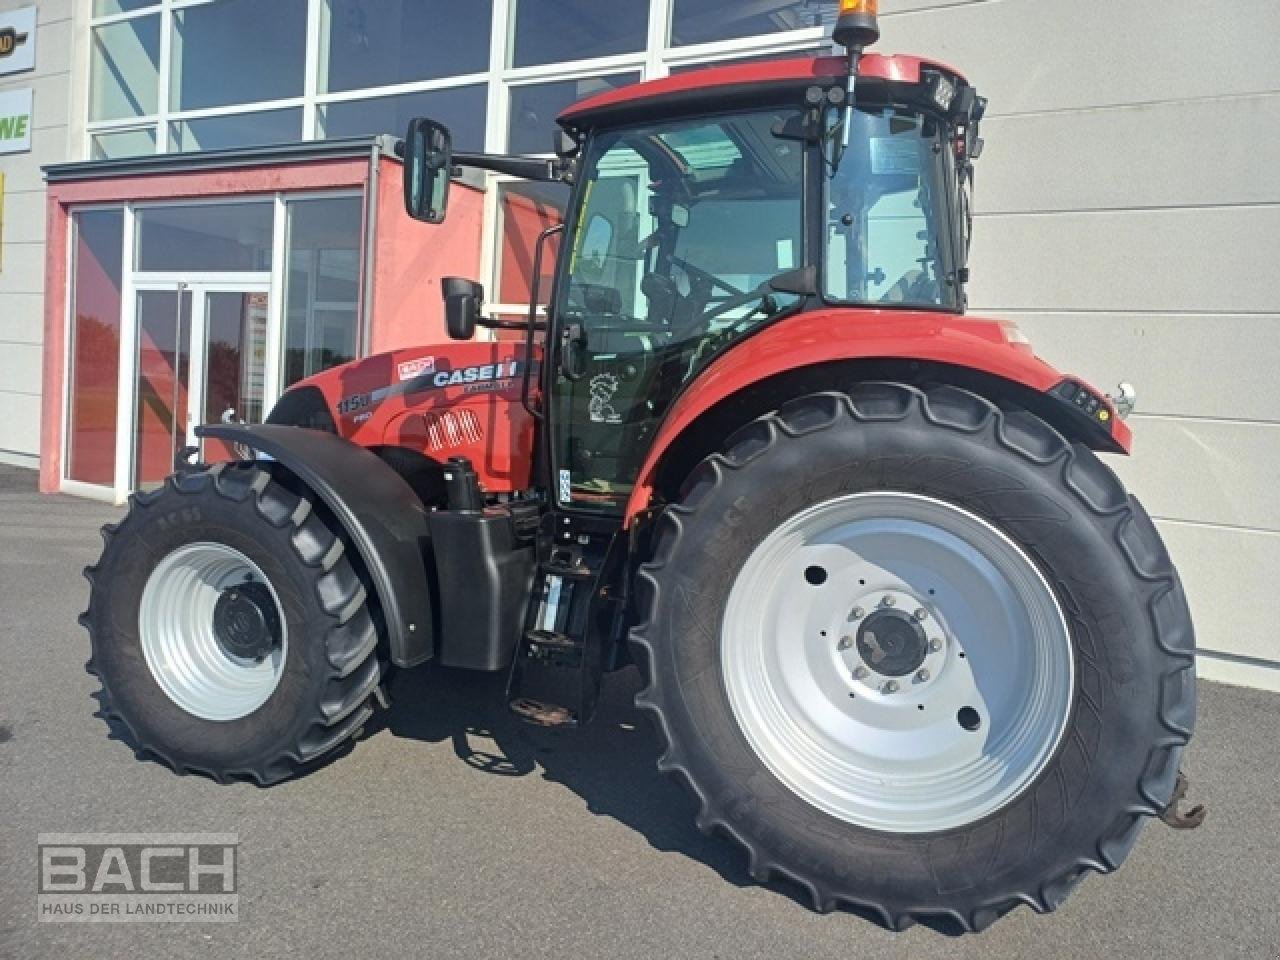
(610, 763)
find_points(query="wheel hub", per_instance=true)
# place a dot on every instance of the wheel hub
(245, 622)
(899, 645)
(891, 643)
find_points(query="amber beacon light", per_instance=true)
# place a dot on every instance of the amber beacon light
(856, 25)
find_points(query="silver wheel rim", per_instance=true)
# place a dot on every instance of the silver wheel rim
(175, 623)
(820, 700)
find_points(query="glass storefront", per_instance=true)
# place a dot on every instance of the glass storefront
(192, 302)
(497, 71)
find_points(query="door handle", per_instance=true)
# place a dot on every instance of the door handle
(572, 341)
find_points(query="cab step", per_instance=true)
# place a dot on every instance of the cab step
(549, 686)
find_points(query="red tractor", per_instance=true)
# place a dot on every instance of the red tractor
(903, 634)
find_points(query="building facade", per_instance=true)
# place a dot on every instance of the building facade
(1127, 206)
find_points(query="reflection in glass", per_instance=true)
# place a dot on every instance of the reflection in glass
(124, 69)
(235, 361)
(534, 108)
(160, 405)
(234, 51)
(125, 143)
(104, 8)
(210, 236)
(547, 31)
(236, 130)
(93, 388)
(703, 21)
(374, 43)
(524, 211)
(461, 109)
(322, 292)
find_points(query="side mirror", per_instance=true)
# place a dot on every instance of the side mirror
(462, 302)
(428, 164)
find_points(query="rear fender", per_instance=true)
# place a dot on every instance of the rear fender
(833, 349)
(379, 513)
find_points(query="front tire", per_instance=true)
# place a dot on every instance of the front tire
(1026, 600)
(231, 634)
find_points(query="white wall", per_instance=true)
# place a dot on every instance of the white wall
(22, 266)
(1129, 219)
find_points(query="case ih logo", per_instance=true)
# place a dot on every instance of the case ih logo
(10, 40)
(412, 368)
(150, 877)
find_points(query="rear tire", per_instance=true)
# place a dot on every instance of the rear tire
(1131, 706)
(179, 695)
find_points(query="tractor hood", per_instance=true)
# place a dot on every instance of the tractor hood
(442, 401)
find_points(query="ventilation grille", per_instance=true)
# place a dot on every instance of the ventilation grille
(452, 428)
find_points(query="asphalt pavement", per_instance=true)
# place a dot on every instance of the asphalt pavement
(452, 831)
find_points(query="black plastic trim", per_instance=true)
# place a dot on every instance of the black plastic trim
(378, 511)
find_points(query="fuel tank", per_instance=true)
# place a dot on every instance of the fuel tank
(448, 400)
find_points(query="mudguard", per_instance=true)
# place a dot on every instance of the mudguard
(813, 338)
(381, 515)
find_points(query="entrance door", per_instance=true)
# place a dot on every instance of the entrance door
(201, 359)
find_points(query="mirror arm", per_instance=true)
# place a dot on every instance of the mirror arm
(526, 168)
(493, 324)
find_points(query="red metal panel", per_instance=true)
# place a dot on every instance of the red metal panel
(448, 400)
(822, 336)
(873, 66)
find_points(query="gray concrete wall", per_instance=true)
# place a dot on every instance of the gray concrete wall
(1129, 219)
(22, 268)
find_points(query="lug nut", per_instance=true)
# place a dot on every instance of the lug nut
(890, 686)
(860, 673)
(922, 676)
(845, 643)
(935, 644)
(921, 615)
(887, 601)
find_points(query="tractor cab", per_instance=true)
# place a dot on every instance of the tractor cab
(710, 206)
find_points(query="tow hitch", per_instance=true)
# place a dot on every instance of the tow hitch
(1182, 820)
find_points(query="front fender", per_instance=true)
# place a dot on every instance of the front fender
(380, 514)
(818, 338)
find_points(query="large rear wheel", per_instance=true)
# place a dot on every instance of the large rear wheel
(917, 654)
(231, 634)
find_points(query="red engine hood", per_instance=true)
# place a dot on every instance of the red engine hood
(448, 400)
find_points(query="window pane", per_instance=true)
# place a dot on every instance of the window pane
(124, 69)
(373, 43)
(210, 236)
(231, 52)
(95, 346)
(524, 211)
(548, 31)
(126, 143)
(323, 286)
(701, 21)
(240, 130)
(534, 108)
(104, 8)
(887, 218)
(462, 109)
(760, 58)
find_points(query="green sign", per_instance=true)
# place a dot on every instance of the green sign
(15, 121)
